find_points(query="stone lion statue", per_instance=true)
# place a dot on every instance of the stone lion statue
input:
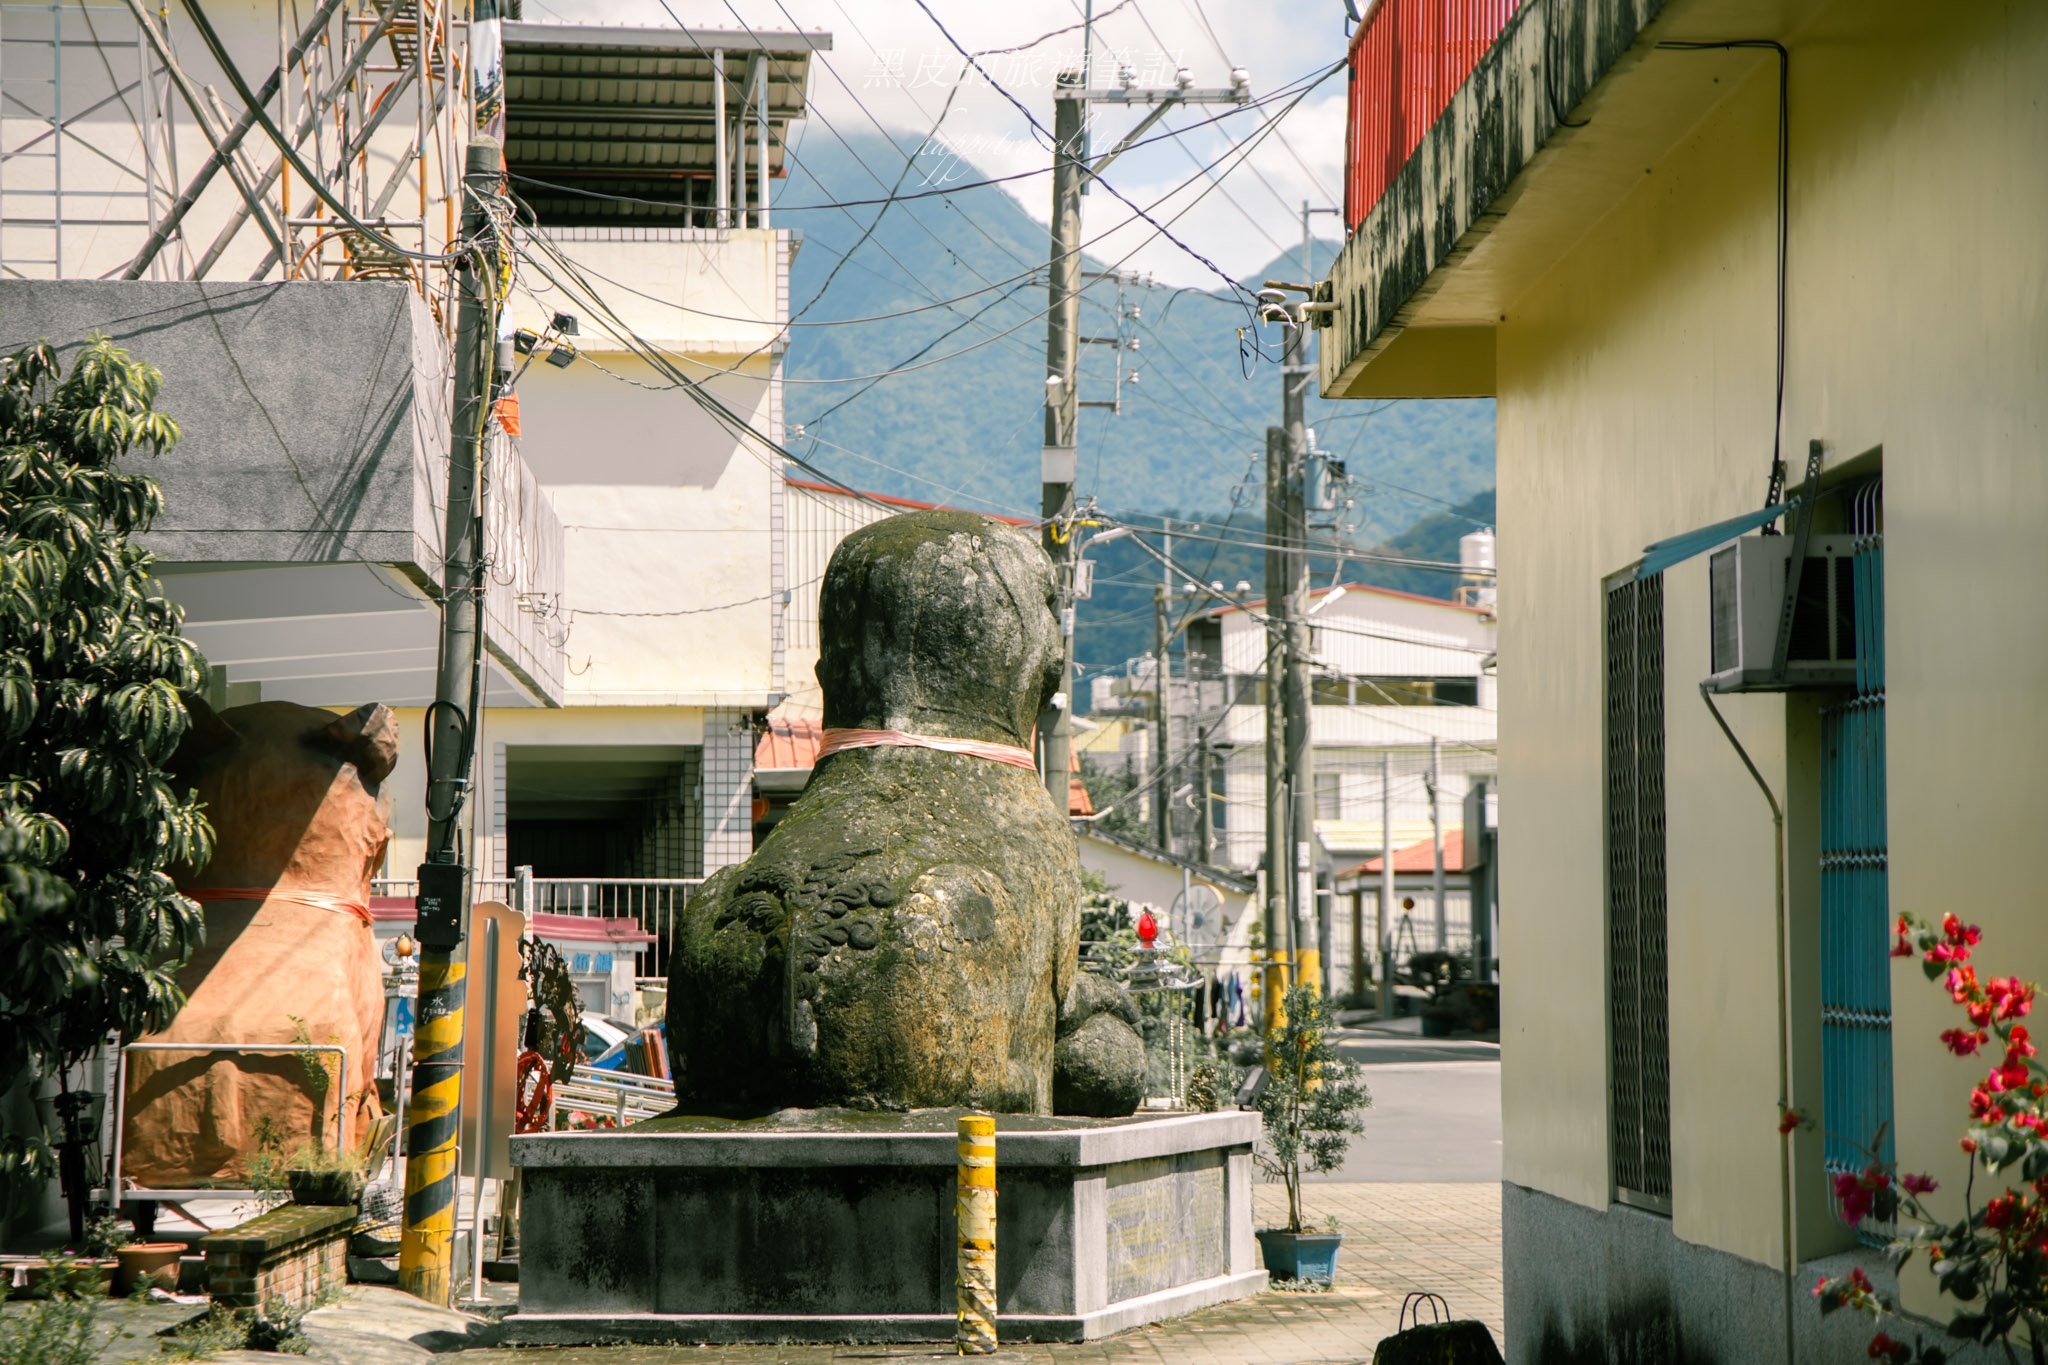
(907, 936)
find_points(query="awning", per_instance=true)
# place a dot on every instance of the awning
(1677, 549)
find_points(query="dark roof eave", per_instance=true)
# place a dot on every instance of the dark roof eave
(527, 35)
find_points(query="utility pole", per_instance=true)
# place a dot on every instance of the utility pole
(1062, 409)
(1436, 836)
(1279, 856)
(1301, 771)
(1162, 731)
(433, 1118)
(1386, 885)
(1072, 168)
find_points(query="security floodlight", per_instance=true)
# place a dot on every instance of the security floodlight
(523, 341)
(562, 357)
(564, 324)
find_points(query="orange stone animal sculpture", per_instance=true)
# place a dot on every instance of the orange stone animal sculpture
(300, 824)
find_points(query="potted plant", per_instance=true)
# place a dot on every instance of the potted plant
(1310, 1106)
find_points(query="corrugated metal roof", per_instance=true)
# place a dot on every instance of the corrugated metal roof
(627, 114)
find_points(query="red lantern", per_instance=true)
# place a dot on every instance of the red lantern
(1148, 928)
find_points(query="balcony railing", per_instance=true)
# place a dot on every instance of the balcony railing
(654, 903)
(1407, 60)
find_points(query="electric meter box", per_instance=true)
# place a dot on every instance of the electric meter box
(1746, 591)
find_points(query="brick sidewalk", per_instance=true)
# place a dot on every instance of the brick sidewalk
(1398, 1238)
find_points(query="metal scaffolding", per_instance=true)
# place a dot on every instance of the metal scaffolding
(95, 100)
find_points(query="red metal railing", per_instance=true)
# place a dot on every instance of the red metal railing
(1407, 59)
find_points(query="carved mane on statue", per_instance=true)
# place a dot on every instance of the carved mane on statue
(907, 936)
(300, 824)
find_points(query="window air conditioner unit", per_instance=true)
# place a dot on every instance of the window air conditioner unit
(1746, 592)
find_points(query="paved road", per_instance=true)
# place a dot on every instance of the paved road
(1435, 1114)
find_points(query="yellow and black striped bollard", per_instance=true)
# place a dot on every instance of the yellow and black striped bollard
(426, 1252)
(974, 1211)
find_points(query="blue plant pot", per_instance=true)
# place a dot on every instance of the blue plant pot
(1301, 1255)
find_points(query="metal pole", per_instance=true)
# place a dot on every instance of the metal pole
(718, 150)
(1386, 884)
(1062, 407)
(1205, 832)
(1436, 835)
(487, 1036)
(433, 1121)
(1279, 855)
(761, 141)
(1357, 941)
(1162, 731)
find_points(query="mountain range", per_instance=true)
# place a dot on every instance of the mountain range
(917, 368)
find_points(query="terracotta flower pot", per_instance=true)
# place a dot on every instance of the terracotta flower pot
(147, 1263)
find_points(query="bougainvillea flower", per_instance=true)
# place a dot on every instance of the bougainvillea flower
(1964, 1042)
(1959, 933)
(1918, 1184)
(2010, 996)
(1999, 1213)
(1961, 983)
(1788, 1120)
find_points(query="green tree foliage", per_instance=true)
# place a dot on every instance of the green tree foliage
(92, 930)
(1312, 1097)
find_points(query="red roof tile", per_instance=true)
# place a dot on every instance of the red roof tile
(1418, 857)
(789, 744)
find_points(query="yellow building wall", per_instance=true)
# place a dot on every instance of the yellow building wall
(1635, 401)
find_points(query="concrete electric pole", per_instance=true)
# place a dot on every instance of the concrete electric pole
(1072, 169)
(426, 1249)
(1062, 410)
(1279, 856)
(1301, 773)
(1162, 729)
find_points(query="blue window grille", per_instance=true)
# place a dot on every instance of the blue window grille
(1855, 901)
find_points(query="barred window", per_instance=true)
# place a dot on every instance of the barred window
(1638, 1010)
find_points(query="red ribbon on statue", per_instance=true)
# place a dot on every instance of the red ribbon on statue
(836, 740)
(319, 900)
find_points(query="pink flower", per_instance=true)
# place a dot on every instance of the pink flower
(1884, 1348)
(1960, 934)
(2012, 997)
(1918, 1184)
(1999, 1213)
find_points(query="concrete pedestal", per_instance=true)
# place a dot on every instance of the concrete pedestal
(831, 1225)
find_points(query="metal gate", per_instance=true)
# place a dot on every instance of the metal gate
(1855, 901)
(1638, 1025)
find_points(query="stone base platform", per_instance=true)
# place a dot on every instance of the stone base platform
(834, 1225)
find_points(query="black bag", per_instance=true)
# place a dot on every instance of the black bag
(1440, 1341)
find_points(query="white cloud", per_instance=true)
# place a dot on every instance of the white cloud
(890, 68)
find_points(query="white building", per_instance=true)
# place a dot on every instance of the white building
(634, 618)
(1399, 681)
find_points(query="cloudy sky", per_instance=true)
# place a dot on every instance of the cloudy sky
(890, 68)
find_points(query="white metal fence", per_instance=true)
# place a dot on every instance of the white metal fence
(654, 903)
